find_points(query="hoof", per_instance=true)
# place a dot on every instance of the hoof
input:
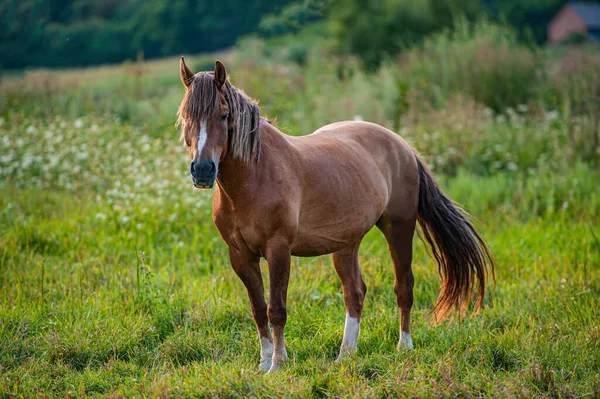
(276, 365)
(345, 353)
(265, 365)
(405, 342)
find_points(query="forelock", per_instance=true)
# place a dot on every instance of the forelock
(201, 100)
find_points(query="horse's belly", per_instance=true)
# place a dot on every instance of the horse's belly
(315, 246)
(329, 236)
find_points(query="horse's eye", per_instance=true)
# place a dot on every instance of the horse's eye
(225, 116)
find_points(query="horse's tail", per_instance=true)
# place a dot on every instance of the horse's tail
(462, 255)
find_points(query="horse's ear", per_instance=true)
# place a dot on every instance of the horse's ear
(220, 74)
(185, 73)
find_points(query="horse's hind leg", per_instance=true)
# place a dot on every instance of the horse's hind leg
(399, 234)
(353, 285)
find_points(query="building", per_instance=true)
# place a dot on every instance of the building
(575, 18)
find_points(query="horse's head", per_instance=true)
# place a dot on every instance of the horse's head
(205, 120)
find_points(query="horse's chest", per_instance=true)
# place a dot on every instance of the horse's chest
(238, 229)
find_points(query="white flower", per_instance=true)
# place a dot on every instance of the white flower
(31, 129)
(48, 134)
(5, 159)
(27, 160)
(78, 123)
(125, 219)
(101, 216)
(358, 118)
(552, 115)
(512, 166)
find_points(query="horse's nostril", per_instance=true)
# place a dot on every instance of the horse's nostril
(213, 167)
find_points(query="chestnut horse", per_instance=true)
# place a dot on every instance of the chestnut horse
(278, 196)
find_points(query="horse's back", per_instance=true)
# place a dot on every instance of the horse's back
(387, 148)
(394, 157)
(351, 173)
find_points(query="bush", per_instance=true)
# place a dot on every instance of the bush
(483, 61)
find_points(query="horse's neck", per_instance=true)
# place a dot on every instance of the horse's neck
(239, 179)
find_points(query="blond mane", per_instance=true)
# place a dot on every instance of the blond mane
(201, 101)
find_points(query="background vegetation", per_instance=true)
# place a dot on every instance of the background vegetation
(86, 32)
(115, 283)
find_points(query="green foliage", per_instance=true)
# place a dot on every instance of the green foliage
(483, 61)
(530, 17)
(84, 32)
(376, 30)
(292, 18)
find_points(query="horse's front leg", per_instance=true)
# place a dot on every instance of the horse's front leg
(247, 267)
(278, 257)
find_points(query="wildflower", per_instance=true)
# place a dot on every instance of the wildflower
(27, 160)
(512, 166)
(31, 129)
(78, 123)
(101, 216)
(5, 159)
(552, 115)
(125, 219)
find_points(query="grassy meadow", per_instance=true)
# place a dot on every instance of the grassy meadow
(115, 283)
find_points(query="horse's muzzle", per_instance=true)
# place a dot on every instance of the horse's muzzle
(203, 173)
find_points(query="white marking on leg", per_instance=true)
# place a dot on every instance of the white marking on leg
(266, 353)
(202, 135)
(279, 356)
(405, 341)
(350, 340)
